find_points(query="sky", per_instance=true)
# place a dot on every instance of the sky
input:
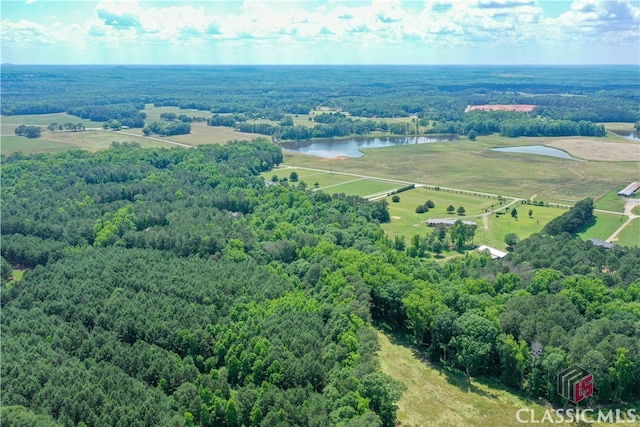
(321, 32)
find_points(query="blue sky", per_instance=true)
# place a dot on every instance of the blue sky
(321, 32)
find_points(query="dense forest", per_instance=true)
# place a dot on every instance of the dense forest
(569, 100)
(178, 287)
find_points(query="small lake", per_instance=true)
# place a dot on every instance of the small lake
(536, 149)
(330, 148)
(630, 134)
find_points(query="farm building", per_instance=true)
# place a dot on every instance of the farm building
(629, 190)
(493, 253)
(448, 222)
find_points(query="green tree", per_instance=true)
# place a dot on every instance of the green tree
(472, 135)
(293, 176)
(474, 343)
(511, 239)
(461, 210)
(514, 213)
(451, 209)
(395, 198)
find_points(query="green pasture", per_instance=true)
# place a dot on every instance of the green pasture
(324, 179)
(605, 226)
(12, 144)
(201, 134)
(611, 201)
(363, 187)
(153, 112)
(630, 236)
(523, 226)
(406, 222)
(472, 165)
(45, 120)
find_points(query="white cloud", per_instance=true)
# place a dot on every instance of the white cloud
(595, 17)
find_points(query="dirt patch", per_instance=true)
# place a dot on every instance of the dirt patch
(396, 217)
(591, 149)
(520, 108)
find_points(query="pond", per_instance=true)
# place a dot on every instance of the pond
(628, 134)
(536, 149)
(331, 148)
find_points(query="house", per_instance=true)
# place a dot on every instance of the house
(448, 222)
(493, 253)
(629, 190)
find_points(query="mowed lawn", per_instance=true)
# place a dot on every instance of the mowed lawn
(630, 236)
(523, 226)
(406, 222)
(364, 187)
(439, 397)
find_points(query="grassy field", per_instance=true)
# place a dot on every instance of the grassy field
(365, 187)
(436, 396)
(630, 236)
(44, 120)
(611, 201)
(474, 166)
(605, 226)
(11, 144)
(87, 140)
(440, 397)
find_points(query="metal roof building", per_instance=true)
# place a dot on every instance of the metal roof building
(629, 190)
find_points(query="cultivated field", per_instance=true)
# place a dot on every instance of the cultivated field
(592, 149)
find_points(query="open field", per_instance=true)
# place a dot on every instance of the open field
(153, 112)
(630, 235)
(591, 149)
(605, 226)
(365, 187)
(325, 180)
(60, 141)
(203, 134)
(474, 166)
(611, 201)
(440, 397)
(44, 120)
(502, 107)
(11, 144)
(524, 226)
(437, 396)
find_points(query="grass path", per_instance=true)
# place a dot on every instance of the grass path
(438, 397)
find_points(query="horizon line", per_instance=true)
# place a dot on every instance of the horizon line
(330, 64)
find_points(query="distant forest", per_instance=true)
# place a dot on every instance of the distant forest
(179, 288)
(569, 100)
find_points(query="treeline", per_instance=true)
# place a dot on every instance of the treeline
(437, 94)
(127, 114)
(167, 129)
(578, 218)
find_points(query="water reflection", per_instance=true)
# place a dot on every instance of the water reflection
(330, 148)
